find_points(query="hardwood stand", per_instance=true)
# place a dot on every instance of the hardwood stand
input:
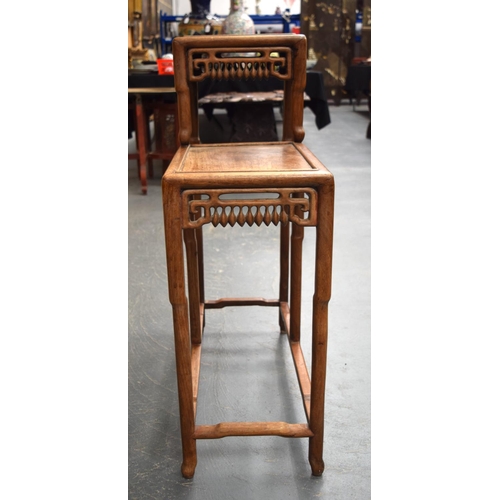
(280, 183)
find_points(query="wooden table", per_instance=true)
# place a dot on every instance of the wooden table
(144, 155)
(223, 97)
(358, 84)
(358, 81)
(251, 113)
(315, 89)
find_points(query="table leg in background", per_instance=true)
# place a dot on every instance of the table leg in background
(141, 140)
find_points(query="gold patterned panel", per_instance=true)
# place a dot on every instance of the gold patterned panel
(328, 26)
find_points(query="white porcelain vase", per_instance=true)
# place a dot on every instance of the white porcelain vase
(237, 22)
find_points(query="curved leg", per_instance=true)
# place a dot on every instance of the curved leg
(322, 293)
(177, 296)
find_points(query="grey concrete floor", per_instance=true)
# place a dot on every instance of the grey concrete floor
(247, 371)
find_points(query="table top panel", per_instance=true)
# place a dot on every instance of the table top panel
(227, 97)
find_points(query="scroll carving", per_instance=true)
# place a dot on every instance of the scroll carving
(261, 206)
(248, 62)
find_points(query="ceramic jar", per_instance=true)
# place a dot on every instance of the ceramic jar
(199, 27)
(237, 22)
(200, 22)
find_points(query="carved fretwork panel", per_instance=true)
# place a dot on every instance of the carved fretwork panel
(248, 62)
(249, 206)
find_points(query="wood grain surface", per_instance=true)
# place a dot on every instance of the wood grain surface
(293, 187)
(246, 371)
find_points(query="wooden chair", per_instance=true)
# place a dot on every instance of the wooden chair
(166, 129)
(218, 184)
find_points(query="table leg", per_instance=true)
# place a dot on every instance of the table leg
(296, 276)
(284, 267)
(322, 294)
(178, 299)
(141, 140)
